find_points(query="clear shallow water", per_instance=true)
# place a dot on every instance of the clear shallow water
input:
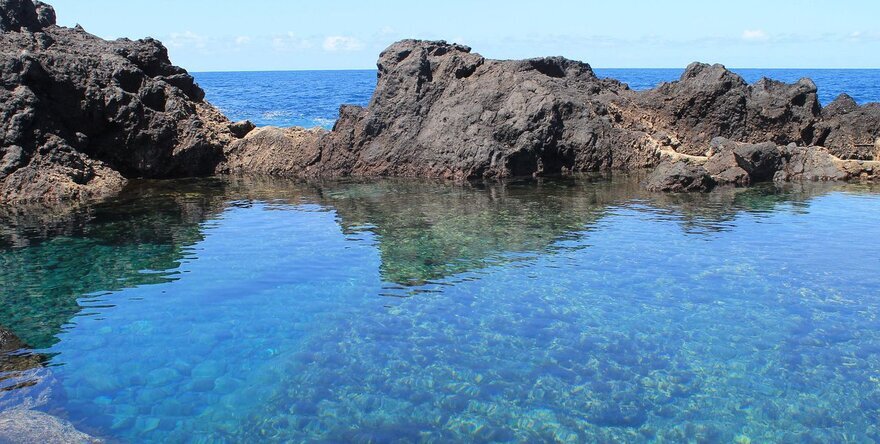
(312, 98)
(567, 310)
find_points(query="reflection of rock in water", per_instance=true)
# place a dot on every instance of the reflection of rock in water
(430, 230)
(32, 427)
(98, 248)
(425, 230)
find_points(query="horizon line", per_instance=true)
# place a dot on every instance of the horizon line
(231, 71)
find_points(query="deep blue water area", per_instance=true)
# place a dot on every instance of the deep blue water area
(312, 98)
(568, 310)
(287, 98)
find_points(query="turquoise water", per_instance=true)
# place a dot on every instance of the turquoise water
(312, 98)
(402, 311)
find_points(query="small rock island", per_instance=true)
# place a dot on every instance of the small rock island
(82, 115)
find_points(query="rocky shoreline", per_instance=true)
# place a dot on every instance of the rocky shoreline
(441, 111)
(82, 115)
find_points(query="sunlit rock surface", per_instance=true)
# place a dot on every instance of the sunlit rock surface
(442, 111)
(80, 115)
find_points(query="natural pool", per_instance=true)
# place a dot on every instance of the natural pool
(400, 311)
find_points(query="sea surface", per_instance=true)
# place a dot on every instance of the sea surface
(582, 309)
(312, 98)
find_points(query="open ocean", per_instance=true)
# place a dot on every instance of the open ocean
(312, 98)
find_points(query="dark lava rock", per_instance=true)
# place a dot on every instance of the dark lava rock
(850, 131)
(16, 15)
(241, 128)
(79, 115)
(743, 163)
(440, 110)
(815, 164)
(679, 177)
(710, 101)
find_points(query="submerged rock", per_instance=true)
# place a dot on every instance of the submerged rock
(24, 381)
(9, 341)
(33, 427)
(14, 357)
(79, 115)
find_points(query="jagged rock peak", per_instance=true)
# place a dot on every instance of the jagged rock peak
(18, 15)
(710, 73)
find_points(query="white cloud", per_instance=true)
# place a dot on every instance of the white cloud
(342, 43)
(387, 30)
(290, 42)
(187, 39)
(862, 36)
(755, 35)
(242, 40)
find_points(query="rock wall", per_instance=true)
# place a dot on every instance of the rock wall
(79, 114)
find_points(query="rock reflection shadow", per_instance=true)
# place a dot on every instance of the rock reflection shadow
(425, 230)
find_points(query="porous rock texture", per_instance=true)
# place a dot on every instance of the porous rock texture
(79, 114)
(440, 110)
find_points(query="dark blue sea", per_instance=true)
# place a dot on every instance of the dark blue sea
(312, 98)
(580, 309)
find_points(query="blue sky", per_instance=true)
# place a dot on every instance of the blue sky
(220, 35)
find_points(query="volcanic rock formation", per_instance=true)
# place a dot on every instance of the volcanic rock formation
(79, 115)
(441, 111)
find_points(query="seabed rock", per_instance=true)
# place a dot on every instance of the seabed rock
(32, 427)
